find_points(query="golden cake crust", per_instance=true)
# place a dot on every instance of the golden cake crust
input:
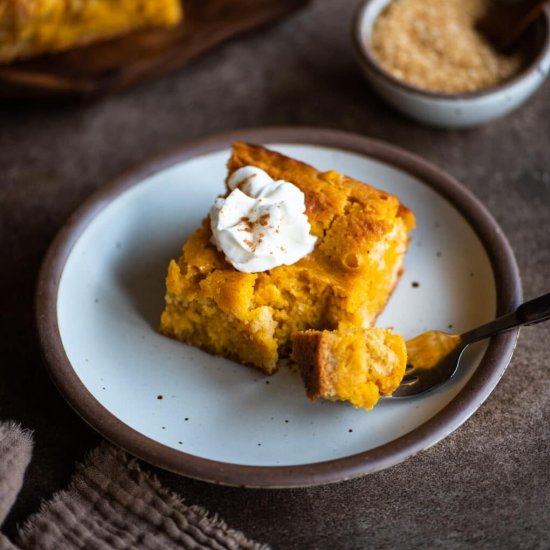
(311, 351)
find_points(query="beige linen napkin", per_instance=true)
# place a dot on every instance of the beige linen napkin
(15, 455)
(110, 503)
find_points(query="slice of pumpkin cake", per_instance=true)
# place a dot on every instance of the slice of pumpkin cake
(288, 248)
(30, 28)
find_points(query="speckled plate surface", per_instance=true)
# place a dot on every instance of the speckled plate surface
(100, 294)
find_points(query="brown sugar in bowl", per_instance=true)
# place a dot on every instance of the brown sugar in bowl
(452, 109)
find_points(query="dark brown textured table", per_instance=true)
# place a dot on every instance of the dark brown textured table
(487, 484)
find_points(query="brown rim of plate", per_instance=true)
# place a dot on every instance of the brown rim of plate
(478, 388)
(366, 57)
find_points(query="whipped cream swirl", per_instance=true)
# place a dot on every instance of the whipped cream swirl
(262, 223)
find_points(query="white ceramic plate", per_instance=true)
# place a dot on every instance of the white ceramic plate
(101, 294)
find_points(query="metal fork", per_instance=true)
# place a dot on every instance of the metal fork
(422, 376)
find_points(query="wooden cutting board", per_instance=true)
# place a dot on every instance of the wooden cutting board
(109, 67)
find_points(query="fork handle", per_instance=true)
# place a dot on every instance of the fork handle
(535, 311)
(529, 313)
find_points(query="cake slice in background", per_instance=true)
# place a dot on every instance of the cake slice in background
(33, 27)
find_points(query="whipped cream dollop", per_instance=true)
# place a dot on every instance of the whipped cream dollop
(262, 223)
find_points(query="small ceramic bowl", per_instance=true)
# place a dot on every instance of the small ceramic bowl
(451, 110)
